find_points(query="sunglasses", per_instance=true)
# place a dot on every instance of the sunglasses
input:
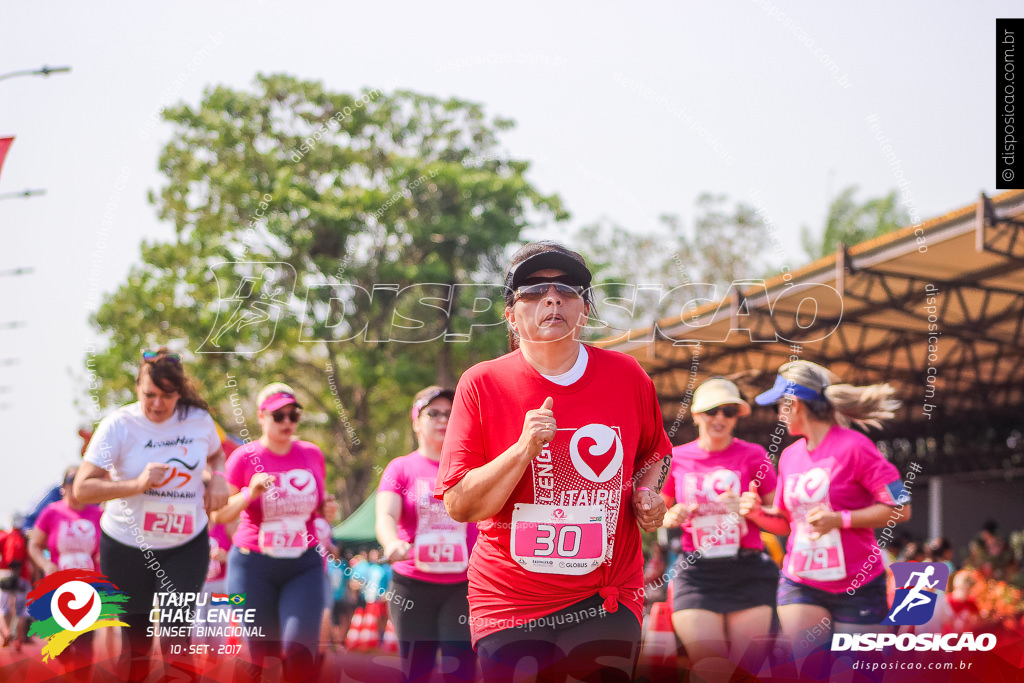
(292, 415)
(435, 413)
(727, 410)
(538, 291)
(154, 356)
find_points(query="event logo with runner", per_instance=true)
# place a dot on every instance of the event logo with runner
(917, 587)
(71, 602)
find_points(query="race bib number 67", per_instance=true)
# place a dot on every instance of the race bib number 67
(548, 539)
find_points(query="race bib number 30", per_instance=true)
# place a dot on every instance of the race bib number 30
(168, 521)
(548, 539)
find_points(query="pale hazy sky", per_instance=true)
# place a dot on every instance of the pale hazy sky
(628, 113)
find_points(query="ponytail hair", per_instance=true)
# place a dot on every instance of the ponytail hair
(865, 406)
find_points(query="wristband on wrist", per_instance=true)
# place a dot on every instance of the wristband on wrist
(221, 474)
(847, 519)
(245, 493)
(644, 488)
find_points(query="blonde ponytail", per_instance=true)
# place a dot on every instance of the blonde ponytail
(865, 406)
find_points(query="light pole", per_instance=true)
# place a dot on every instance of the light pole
(22, 193)
(45, 71)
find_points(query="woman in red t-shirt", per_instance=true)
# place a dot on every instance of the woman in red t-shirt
(557, 450)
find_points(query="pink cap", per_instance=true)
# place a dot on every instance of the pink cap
(277, 401)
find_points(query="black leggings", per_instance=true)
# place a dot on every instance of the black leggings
(287, 595)
(429, 617)
(181, 569)
(569, 644)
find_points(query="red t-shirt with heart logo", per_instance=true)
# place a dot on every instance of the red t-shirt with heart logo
(568, 530)
(298, 488)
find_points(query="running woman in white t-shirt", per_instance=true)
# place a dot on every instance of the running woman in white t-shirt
(148, 460)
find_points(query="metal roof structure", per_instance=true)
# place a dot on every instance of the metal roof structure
(935, 309)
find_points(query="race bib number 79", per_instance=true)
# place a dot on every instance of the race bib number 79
(821, 559)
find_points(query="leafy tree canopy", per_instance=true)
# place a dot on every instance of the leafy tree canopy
(639, 270)
(318, 236)
(850, 222)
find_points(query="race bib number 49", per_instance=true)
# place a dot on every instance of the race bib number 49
(548, 539)
(440, 552)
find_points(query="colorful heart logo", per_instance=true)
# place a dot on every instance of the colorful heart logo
(80, 615)
(73, 614)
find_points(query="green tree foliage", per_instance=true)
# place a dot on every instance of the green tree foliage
(724, 245)
(317, 238)
(850, 222)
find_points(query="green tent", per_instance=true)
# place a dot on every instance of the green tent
(358, 529)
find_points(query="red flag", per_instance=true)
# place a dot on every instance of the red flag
(5, 144)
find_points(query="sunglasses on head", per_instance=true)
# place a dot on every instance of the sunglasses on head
(292, 415)
(435, 413)
(539, 290)
(727, 410)
(154, 356)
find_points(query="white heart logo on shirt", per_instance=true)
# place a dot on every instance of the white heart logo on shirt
(81, 527)
(720, 481)
(601, 458)
(812, 486)
(300, 481)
